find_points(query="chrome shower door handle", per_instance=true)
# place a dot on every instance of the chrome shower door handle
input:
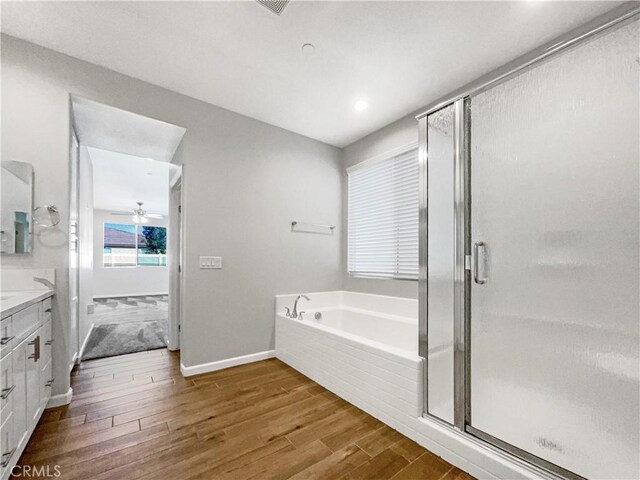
(476, 262)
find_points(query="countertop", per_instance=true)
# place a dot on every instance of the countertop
(14, 301)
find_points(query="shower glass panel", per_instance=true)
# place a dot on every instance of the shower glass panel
(441, 251)
(554, 319)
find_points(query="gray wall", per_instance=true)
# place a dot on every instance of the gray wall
(244, 181)
(395, 135)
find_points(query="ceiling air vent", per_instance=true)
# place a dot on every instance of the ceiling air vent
(276, 6)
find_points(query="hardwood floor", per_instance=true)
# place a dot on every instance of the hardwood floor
(136, 417)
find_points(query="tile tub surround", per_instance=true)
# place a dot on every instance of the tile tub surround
(385, 382)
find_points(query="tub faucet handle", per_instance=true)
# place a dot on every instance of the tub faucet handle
(300, 315)
(287, 312)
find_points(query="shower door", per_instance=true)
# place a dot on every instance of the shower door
(553, 157)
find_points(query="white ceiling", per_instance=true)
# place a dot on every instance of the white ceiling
(399, 56)
(110, 128)
(119, 181)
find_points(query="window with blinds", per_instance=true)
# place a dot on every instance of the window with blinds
(383, 217)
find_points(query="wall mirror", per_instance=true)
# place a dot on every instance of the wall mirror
(16, 223)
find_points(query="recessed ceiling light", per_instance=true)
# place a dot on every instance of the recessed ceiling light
(360, 105)
(308, 49)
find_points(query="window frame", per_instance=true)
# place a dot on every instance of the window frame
(386, 156)
(136, 248)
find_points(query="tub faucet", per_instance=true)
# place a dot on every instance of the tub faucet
(294, 313)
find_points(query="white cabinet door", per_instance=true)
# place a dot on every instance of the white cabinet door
(7, 385)
(7, 337)
(46, 383)
(33, 352)
(7, 443)
(46, 376)
(20, 392)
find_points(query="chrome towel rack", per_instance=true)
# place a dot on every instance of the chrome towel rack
(319, 228)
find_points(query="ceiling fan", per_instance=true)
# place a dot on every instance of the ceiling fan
(139, 215)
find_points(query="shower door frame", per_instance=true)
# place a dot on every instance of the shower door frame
(461, 100)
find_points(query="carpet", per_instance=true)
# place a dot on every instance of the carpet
(110, 339)
(127, 325)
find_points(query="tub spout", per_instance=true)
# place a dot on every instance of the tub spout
(294, 313)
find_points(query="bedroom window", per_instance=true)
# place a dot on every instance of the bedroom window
(134, 245)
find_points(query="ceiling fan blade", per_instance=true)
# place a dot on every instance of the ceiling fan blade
(121, 213)
(153, 215)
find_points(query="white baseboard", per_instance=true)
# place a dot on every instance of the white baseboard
(84, 343)
(229, 362)
(59, 400)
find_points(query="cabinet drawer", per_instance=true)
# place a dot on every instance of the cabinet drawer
(7, 336)
(7, 443)
(7, 384)
(26, 320)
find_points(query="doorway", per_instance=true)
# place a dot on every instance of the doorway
(126, 174)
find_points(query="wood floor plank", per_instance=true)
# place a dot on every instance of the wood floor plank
(278, 401)
(227, 457)
(136, 417)
(351, 432)
(65, 431)
(407, 448)
(124, 412)
(324, 427)
(270, 423)
(426, 467)
(206, 409)
(107, 447)
(377, 441)
(37, 451)
(281, 465)
(56, 427)
(383, 466)
(457, 474)
(336, 465)
(152, 451)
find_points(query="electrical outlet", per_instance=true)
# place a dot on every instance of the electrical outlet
(210, 262)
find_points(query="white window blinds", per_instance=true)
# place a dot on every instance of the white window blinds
(383, 217)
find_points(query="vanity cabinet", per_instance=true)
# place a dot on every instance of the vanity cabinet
(26, 379)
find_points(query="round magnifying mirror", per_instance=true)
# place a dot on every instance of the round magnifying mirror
(46, 216)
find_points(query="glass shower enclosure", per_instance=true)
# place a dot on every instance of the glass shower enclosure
(530, 255)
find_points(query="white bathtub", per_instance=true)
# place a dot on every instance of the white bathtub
(364, 348)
